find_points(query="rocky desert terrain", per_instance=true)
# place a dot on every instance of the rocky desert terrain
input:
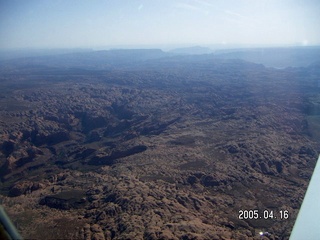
(166, 147)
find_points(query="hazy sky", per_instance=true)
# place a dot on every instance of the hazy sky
(97, 23)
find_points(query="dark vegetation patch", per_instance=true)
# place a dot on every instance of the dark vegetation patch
(156, 128)
(150, 178)
(183, 140)
(65, 200)
(195, 165)
(90, 122)
(110, 159)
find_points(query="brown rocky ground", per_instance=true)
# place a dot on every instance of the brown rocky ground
(156, 155)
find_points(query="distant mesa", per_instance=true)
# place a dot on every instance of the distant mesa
(196, 50)
(24, 187)
(65, 200)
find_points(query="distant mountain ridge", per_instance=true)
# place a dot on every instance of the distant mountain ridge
(103, 59)
(275, 57)
(26, 53)
(108, 59)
